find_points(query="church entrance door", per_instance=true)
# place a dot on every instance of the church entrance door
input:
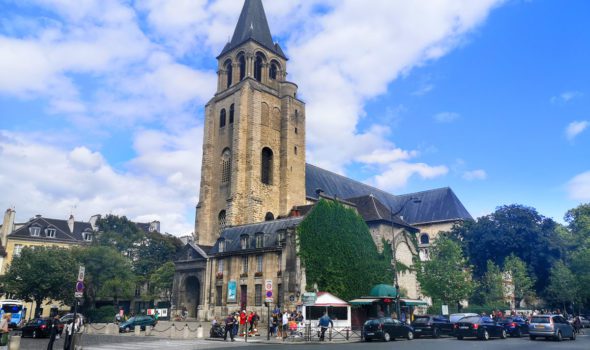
(244, 297)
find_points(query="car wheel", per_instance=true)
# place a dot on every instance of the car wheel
(503, 334)
(386, 337)
(486, 335)
(558, 337)
(459, 337)
(532, 337)
(410, 335)
(127, 329)
(435, 333)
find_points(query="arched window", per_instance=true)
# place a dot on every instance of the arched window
(222, 118)
(231, 113)
(269, 217)
(226, 166)
(424, 239)
(229, 71)
(221, 220)
(274, 70)
(258, 66)
(242, 62)
(267, 166)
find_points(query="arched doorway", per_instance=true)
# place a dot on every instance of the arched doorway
(192, 292)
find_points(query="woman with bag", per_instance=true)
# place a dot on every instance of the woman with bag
(4, 331)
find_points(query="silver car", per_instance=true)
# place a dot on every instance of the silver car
(551, 326)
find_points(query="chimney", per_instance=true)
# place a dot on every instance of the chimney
(7, 225)
(71, 223)
(93, 220)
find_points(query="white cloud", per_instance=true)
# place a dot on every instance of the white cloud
(579, 187)
(475, 175)
(566, 96)
(423, 90)
(575, 128)
(446, 117)
(398, 174)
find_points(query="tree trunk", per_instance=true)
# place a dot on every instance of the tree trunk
(38, 308)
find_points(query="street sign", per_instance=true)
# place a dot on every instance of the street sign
(80, 287)
(309, 299)
(81, 272)
(78, 295)
(268, 288)
(445, 310)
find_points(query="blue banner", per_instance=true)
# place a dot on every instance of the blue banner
(232, 291)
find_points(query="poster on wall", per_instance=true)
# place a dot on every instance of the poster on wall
(232, 291)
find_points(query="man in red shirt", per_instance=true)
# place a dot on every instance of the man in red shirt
(243, 319)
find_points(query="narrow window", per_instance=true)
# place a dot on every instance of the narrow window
(269, 217)
(226, 166)
(245, 264)
(296, 131)
(424, 239)
(273, 71)
(220, 266)
(259, 261)
(35, 231)
(258, 295)
(87, 236)
(244, 242)
(221, 220)
(242, 61)
(219, 295)
(295, 149)
(259, 240)
(267, 166)
(221, 245)
(50, 232)
(231, 114)
(229, 72)
(280, 262)
(258, 67)
(222, 115)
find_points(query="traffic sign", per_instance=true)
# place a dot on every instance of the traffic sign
(80, 287)
(268, 285)
(268, 288)
(309, 299)
(78, 295)
(81, 272)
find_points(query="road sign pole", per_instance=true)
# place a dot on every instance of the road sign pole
(268, 321)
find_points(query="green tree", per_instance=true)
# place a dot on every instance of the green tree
(580, 267)
(513, 229)
(446, 276)
(40, 273)
(563, 287)
(521, 279)
(162, 281)
(108, 273)
(338, 252)
(490, 289)
(154, 251)
(120, 233)
(578, 220)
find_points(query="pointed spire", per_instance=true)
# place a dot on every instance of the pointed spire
(253, 25)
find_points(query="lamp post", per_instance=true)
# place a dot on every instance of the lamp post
(394, 248)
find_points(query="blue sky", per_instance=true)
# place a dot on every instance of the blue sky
(101, 102)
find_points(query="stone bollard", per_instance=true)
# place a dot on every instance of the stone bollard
(148, 330)
(185, 332)
(107, 329)
(200, 332)
(172, 330)
(137, 331)
(14, 342)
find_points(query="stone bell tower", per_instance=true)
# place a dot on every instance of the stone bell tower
(254, 144)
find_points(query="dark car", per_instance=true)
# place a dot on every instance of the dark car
(141, 321)
(39, 328)
(551, 326)
(386, 329)
(515, 326)
(480, 327)
(434, 326)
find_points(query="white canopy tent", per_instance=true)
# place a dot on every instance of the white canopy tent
(338, 310)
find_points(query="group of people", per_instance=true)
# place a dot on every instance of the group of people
(285, 323)
(243, 323)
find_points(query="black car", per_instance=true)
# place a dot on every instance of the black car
(386, 329)
(434, 326)
(141, 321)
(481, 327)
(515, 326)
(37, 328)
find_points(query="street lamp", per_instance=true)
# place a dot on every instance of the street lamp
(394, 248)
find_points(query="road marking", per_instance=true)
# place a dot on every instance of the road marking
(164, 345)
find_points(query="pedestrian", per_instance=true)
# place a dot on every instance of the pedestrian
(69, 330)
(156, 315)
(251, 322)
(577, 324)
(285, 324)
(256, 320)
(229, 325)
(53, 332)
(4, 331)
(324, 323)
(243, 323)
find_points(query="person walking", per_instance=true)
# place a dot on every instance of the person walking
(229, 325)
(53, 332)
(69, 332)
(285, 324)
(325, 322)
(4, 331)
(251, 322)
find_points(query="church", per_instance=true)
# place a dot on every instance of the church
(256, 187)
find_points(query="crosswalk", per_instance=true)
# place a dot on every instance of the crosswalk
(165, 344)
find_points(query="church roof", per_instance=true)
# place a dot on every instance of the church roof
(270, 229)
(438, 205)
(253, 25)
(371, 209)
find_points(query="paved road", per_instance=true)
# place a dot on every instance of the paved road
(132, 343)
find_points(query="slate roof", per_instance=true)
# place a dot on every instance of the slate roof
(253, 25)
(372, 210)
(62, 230)
(438, 205)
(232, 235)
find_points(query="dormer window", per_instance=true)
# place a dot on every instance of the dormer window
(35, 231)
(50, 233)
(244, 242)
(259, 240)
(87, 236)
(221, 245)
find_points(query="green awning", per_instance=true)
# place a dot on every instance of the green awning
(413, 302)
(362, 301)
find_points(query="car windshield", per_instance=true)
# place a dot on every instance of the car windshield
(11, 308)
(540, 320)
(372, 322)
(132, 319)
(470, 319)
(421, 319)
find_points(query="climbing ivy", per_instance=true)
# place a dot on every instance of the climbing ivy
(339, 254)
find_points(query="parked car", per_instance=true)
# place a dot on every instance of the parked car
(39, 328)
(481, 327)
(551, 326)
(141, 321)
(585, 321)
(454, 318)
(429, 325)
(515, 326)
(386, 329)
